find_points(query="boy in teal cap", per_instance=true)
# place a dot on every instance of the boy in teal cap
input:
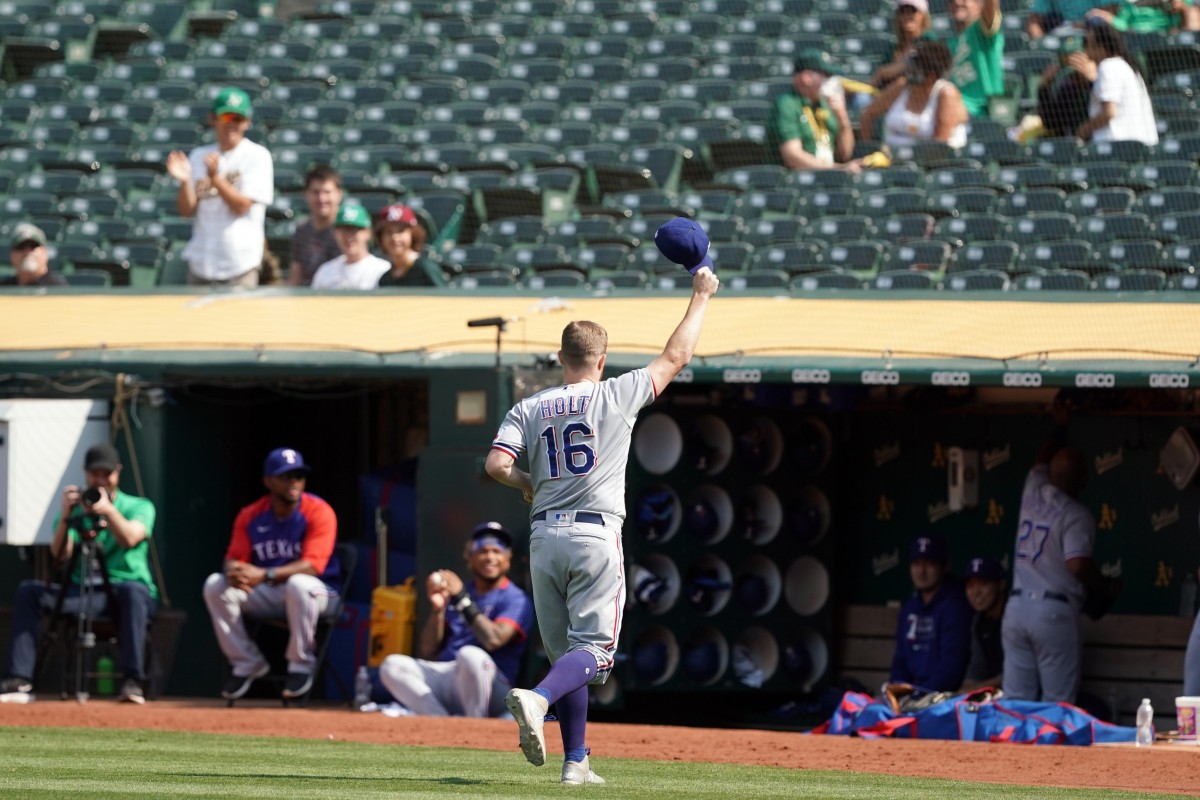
(226, 186)
(356, 267)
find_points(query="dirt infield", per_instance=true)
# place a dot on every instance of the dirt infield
(1164, 768)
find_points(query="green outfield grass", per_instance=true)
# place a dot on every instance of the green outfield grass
(88, 763)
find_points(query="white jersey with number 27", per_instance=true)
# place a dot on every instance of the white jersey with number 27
(577, 436)
(1054, 528)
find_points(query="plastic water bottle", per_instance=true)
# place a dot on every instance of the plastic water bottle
(362, 687)
(105, 683)
(1145, 724)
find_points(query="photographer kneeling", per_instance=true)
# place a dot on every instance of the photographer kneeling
(120, 524)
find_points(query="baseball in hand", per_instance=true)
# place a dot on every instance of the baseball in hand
(439, 579)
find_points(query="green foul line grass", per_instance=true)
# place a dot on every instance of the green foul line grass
(90, 763)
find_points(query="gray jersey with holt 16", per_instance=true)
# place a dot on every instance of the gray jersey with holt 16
(577, 437)
(1054, 528)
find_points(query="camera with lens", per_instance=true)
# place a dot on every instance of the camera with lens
(88, 524)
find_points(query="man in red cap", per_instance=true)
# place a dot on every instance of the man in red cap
(400, 236)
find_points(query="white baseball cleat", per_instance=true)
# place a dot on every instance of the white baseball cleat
(529, 710)
(577, 773)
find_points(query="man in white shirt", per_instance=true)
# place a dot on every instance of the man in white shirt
(355, 268)
(226, 186)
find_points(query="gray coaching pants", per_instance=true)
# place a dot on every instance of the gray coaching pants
(302, 598)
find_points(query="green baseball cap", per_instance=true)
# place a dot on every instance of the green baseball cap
(816, 60)
(352, 215)
(232, 101)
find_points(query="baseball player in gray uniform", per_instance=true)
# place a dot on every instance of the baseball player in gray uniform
(577, 437)
(1052, 573)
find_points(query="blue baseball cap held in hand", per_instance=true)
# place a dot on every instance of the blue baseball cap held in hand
(284, 459)
(685, 243)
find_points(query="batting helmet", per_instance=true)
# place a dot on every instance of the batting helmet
(655, 512)
(701, 660)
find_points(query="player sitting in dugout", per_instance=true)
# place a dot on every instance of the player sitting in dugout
(472, 644)
(933, 632)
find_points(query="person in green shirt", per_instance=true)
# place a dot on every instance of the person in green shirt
(808, 128)
(1139, 17)
(121, 525)
(977, 43)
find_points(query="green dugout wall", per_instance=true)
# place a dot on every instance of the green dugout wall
(221, 378)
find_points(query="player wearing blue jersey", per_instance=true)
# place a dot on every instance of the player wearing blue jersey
(933, 631)
(471, 645)
(576, 437)
(280, 560)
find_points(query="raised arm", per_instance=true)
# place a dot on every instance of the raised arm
(682, 344)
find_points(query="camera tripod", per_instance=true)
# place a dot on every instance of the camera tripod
(86, 555)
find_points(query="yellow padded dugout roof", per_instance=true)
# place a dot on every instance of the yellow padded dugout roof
(1161, 328)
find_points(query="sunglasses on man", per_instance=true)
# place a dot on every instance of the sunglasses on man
(229, 116)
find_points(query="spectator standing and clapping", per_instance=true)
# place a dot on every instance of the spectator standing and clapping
(120, 525)
(933, 631)
(280, 559)
(400, 236)
(808, 128)
(313, 242)
(924, 107)
(472, 644)
(227, 187)
(1120, 107)
(31, 259)
(909, 23)
(356, 267)
(985, 588)
(977, 45)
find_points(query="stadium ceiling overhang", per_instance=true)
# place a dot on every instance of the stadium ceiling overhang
(1093, 341)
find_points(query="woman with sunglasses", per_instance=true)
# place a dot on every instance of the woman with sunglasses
(909, 23)
(1120, 107)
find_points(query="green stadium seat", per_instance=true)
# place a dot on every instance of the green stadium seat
(1114, 200)
(997, 152)
(903, 227)
(712, 201)
(735, 45)
(68, 252)
(826, 281)
(989, 255)
(529, 230)
(885, 178)
(1046, 226)
(1057, 150)
(629, 279)
(929, 256)
(1168, 58)
(575, 26)
(639, 95)
(90, 205)
(56, 182)
(962, 201)
(1041, 256)
(89, 277)
(979, 280)
(1054, 281)
(772, 203)
(1180, 147)
(1114, 227)
(500, 91)
(898, 280)
(830, 202)
(467, 259)
(605, 258)
(971, 228)
(1178, 227)
(1128, 152)
(1137, 253)
(956, 180)
(723, 229)
(884, 202)
(849, 227)
(1167, 172)
(1188, 282)
(1134, 280)
(703, 90)
(861, 257)
(764, 232)
(1169, 200)
(1033, 201)
(786, 258)
(1032, 176)
(763, 176)
(504, 279)
(533, 257)
(760, 279)
(732, 256)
